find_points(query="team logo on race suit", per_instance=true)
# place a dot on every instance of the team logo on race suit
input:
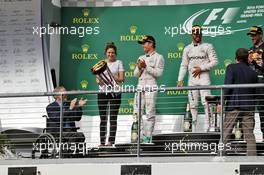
(84, 84)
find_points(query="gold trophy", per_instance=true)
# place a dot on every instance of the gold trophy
(256, 55)
(101, 70)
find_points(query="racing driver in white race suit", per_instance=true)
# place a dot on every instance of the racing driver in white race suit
(198, 58)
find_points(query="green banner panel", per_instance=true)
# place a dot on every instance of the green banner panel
(85, 31)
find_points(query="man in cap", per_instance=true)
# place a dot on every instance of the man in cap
(256, 61)
(198, 58)
(240, 102)
(149, 67)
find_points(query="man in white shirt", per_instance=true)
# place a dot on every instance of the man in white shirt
(198, 58)
(149, 67)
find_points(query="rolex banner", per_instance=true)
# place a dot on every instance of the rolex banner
(87, 30)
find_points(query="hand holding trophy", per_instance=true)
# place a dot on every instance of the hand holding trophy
(256, 56)
(104, 74)
(101, 70)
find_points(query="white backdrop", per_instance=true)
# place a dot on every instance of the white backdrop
(22, 65)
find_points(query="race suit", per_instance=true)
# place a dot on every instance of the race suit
(259, 69)
(198, 55)
(147, 78)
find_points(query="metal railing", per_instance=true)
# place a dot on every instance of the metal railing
(173, 108)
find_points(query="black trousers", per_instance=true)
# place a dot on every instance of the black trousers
(105, 100)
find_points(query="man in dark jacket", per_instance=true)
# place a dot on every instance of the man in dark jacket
(71, 113)
(256, 60)
(240, 102)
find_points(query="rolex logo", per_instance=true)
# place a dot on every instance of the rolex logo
(85, 48)
(86, 12)
(131, 101)
(132, 66)
(227, 62)
(133, 29)
(180, 46)
(84, 84)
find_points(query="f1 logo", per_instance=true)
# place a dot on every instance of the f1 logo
(227, 17)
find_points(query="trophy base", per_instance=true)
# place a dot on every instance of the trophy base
(213, 129)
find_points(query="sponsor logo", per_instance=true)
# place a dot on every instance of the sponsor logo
(133, 29)
(85, 55)
(215, 22)
(86, 12)
(129, 107)
(86, 19)
(176, 93)
(130, 72)
(177, 54)
(227, 62)
(85, 48)
(130, 101)
(84, 84)
(222, 71)
(133, 36)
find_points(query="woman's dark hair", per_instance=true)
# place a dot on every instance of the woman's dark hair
(110, 45)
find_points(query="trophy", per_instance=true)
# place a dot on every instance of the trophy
(256, 55)
(213, 101)
(101, 70)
